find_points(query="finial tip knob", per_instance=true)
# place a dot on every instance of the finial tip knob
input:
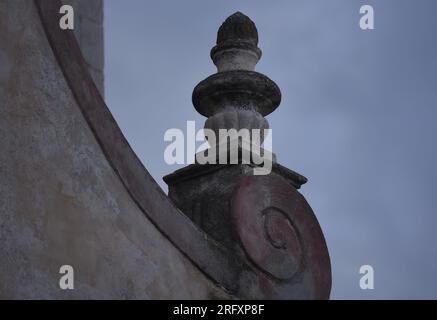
(238, 27)
(237, 44)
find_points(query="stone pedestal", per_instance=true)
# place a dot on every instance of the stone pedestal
(205, 193)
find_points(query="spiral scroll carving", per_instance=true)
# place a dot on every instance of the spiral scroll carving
(285, 243)
(277, 229)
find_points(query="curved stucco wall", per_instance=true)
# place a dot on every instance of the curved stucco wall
(61, 203)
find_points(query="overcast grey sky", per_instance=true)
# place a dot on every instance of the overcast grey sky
(358, 116)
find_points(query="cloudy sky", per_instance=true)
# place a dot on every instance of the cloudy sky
(358, 116)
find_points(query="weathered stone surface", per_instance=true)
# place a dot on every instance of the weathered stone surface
(91, 43)
(89, 34)
(91, 9)
(61, 202)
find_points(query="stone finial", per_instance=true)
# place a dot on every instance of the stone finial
(261, 218)
(238, 27)
(236, 97)
(237, 44)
